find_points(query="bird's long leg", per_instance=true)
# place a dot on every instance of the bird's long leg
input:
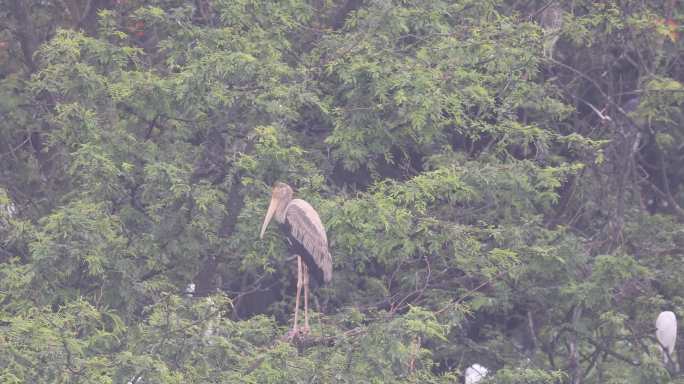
(305, 269)
(295, 328)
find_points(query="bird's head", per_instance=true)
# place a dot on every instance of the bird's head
(281, 195)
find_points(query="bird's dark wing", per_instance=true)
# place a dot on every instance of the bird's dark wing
(306, 227)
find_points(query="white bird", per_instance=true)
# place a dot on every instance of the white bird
(666, 333)
(475, 373)
(190, 290)
(10, 209)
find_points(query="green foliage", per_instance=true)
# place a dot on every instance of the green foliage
(492, 194)
(526, 376)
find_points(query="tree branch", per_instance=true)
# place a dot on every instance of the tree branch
(24, 32)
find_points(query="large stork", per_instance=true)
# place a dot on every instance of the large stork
(307, 242)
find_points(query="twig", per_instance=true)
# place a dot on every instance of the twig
(607, 350)
(13, 149)
(598, 88)
(540, 10)
(668, 197)
(419, 292)
(469, 293)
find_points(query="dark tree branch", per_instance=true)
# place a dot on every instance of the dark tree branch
(610, 352)
(533, 332)
(574, 365)
(205, 280)
(602, 347)
(666, 181)
(85, 14)
(24, 32)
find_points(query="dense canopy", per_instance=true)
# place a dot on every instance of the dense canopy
(501, 183)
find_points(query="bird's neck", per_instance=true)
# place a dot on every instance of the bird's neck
(280, 212)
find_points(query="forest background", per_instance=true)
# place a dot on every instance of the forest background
(501, 183)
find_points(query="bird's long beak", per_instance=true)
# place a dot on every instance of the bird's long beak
(269, 216)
